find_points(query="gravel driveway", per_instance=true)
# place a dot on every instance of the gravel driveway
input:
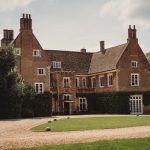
(16, 133)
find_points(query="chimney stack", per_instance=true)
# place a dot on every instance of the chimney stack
(26, 23)
(131, 34)
(8, 36)
(83, 50)
(102, 47)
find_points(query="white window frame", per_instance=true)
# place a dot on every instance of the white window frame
(78, 82)
(41, 74)
(101, 84)
(84, 78)
(66, 85)
(136, 104)
(92, 82)
(69, 97)
(18, 51)
(40, 86)
(56, 64)
(110, 79)
(36, 53)
(134, 64)
(83, 101)
(133, 77)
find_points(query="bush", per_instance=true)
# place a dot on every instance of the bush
(42, 105)
(27, 113)
(112, 103)
(47, 129)
(28, 101)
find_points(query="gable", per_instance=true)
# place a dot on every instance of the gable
(104, 62)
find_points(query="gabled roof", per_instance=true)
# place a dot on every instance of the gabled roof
(104, 62)
(71, 61)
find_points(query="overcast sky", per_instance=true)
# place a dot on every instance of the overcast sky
(75, 24)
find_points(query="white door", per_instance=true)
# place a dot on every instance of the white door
(136, 104)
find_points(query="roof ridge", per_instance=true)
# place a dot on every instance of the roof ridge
(66, 51)
(113, 47)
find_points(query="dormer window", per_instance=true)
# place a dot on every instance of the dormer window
(36, 53)
(134, 64)
(56, 64)
(18, 51)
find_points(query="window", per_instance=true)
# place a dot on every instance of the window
(83, 82)
(82, 104)
(101, 81)
(134, 64)
(40, 71)
(77, 82)
(136, 104)
(110, 79)
(54, 84)
(67, 97)
(18, 51)
(134, 79)
(36, 52)
(39, 87)
(93, 82)
(56, 64)
(66, 81)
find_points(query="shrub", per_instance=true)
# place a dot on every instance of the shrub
(27, 113)
(49, 121)
(47, 129)
(112, 103)
(42, 104)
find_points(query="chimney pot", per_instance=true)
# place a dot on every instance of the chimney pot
(129, 26)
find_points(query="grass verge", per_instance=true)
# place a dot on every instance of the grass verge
(78, 124)
(128, 144)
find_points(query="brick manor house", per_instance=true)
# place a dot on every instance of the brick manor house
(69, 75)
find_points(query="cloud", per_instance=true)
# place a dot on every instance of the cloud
(9, 5)
(128, 11)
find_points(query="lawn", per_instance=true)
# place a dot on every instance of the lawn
(76, 124)
(129, 144)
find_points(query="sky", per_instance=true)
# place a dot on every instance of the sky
(75, 24)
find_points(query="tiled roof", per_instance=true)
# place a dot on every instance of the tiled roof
(71, 61)
(87, 62)
(104, 62)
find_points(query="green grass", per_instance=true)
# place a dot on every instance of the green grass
(129, 144)
(77, 124)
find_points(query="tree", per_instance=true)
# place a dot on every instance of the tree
(10, 89)
(148, 56)
(18, 98)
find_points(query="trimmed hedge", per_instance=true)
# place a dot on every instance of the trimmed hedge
(42, 104)
(112, 103)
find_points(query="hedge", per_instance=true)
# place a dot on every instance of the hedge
(38, 105)
(113, 102)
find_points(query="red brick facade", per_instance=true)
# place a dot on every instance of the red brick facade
(81, 71)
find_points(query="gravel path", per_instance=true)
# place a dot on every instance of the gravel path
(16, 133)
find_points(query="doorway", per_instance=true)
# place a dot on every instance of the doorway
(136, 104)
(66, 108)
